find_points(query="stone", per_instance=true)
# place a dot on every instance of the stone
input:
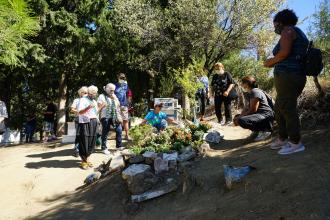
(204, 148)
(135, 169)
(173, 165)
(127, 153)
(213, 137)
(186, 149)
(187, 156)
(169, 157)
(169, 186)
(160, 165)
(150, 157)
(136, 159)
(117, 163)
(92, 178)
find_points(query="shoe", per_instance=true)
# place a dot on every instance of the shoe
(222, 123)
(128, 138)
(253, 135)
(278, 144)
(84, 165)
(263, 136)
(121, 148)
(106, 152)
(228, 123)
(90, 165)
(291, 148)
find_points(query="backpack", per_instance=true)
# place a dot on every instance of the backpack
(270, 100)
(312, 61)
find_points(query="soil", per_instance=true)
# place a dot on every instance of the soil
(42, 182)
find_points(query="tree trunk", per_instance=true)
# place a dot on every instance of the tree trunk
(186, 106)
(61, 116)
(318, 86)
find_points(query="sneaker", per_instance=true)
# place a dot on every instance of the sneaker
(106, 152)
(263, 136)
(291, 148)
(278, 144)
(84, 165)
(128, 138)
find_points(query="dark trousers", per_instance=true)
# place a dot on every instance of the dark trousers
(30, 129)
(288, 87)
(218, 100)
(257, 122)
(87, 138)
(76, 141)
(202, 97)
(106, 125)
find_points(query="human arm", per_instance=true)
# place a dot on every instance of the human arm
(254, 105)
(288, 36)
(226, 93)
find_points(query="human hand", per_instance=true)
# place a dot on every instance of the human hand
(225, 94)
(268, 63)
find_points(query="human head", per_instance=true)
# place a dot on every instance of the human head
(284, 18)
(249, 83)
(121, 78)
(109, 88)
(92, 91)
(83, 91)
(158, 107)
(219, 68)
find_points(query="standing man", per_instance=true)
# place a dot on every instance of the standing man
(110, 116)
(4, 130)
(49, 120)
(122, 93)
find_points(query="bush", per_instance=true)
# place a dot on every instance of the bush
(140, 133)
(182, 135)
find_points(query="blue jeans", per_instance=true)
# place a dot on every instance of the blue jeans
(161, 126)
(106, 124)
(29, 132)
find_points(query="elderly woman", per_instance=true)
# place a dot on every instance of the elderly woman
(289, 79)
(109, 106)
(83, 91)
(88, 123)
(258, 116)
(221, 88)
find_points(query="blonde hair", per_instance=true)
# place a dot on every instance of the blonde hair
(92, 89)
(82, 90)
(219, 64)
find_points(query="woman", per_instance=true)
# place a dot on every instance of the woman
(88, 113)
(289, 80)
(109, 107)
(259, 116)
(221, 86)
(83, 91)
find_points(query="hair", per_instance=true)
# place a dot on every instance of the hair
(286, 17)
(250, 81)
(122, 75)
(83, 89)
(160, 105)
(92, 89)
(219, 64)
(108, 87)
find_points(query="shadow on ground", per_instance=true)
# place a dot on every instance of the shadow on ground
(283, 187)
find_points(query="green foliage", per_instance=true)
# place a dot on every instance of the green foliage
(182, 135)
(140, 133)
(197, 136)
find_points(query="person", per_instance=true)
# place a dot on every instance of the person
(258, 116)
(109, 107)
(202, 94)
(122, 93)
(222, 85)
(49, 120)
(30, 128)
(88, 125)
(4, 130)
(157, 118)
(289, 80)
(82, 92)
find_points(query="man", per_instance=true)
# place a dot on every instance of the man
(109, 107)
(122, 93)
(157, 118)
(202, 94)
(49, 120)
(4, 130)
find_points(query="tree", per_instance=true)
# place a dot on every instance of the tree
(16, 25)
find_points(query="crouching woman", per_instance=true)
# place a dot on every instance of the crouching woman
(258, 116)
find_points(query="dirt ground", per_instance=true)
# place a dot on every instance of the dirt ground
(40, 182)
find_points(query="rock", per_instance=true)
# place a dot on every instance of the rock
(150, 157)
(183, 165)
(186, 149)
(135, 169)
(92, 178)
(204, 148)
(117, 163)
(127, 153)
(162, 190)
(213, 137)
(160, 165)
(169, 157)
(136, 159)
(187, 156)
(173, 165)
(139, 178)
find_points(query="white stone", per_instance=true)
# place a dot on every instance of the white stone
(149, 154)
(135, 169)
(172, 156)
(117, 163)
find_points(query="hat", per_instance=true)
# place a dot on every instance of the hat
(160, 105)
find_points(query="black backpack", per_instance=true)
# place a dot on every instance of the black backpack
(312, 61)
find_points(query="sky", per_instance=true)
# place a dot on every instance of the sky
(304, 9)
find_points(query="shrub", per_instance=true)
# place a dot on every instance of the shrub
(140, 133)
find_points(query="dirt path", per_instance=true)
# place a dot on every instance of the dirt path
(40, 183)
